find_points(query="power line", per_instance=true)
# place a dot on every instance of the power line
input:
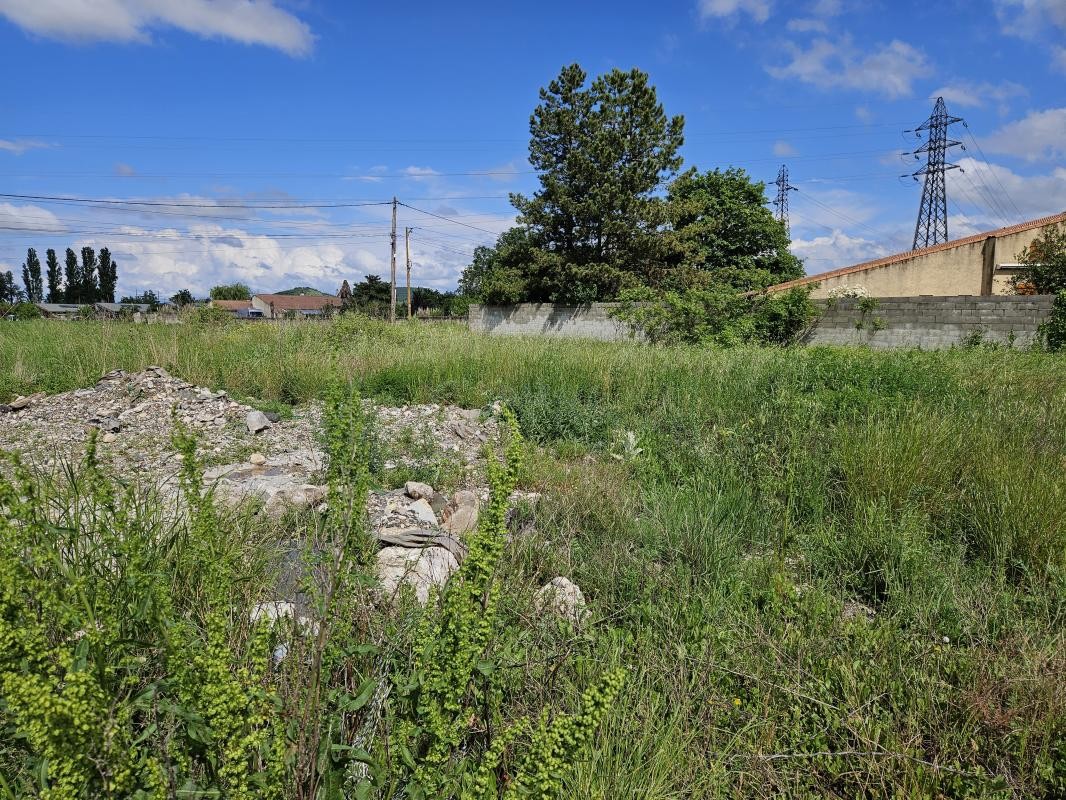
(994, 175)
(783, 188)
(449, 219)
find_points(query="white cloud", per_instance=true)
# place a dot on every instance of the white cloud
(804, 25)
(827, 8)
(1029, 18)
(420, 173)
(32, 219)
(1058, 58)
(1040, 136)
(991, 188)
(889, 69)
(758, 10)
(783, 148)
(837, 249)
(20, 146)
(975, 95)
(258, 22)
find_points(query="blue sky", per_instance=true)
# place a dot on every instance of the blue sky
(213, 103)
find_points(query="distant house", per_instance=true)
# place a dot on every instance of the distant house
(235, 307)
(59, 310)
(278, 306)
(115, 309)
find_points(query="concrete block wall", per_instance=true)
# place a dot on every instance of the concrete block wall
(591, 321)
(932, 322)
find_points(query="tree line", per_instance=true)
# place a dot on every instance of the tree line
(91, 279)
(616, 218)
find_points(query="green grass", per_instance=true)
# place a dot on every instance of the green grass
(773, 487)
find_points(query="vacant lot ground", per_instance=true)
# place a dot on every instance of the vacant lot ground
(826, 572)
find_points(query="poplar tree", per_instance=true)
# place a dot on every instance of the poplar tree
(108, 271)
(73, 276)
(89, 286)
(31, 277)
(55, 277)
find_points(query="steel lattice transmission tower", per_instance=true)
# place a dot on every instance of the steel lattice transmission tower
(782, 198)
(932, 225)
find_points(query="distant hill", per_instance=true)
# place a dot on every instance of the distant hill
(305, 291)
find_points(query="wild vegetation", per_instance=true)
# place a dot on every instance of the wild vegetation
(823, 572)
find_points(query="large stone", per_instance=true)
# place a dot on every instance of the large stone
(256, 421)
(419, 569)
(562, 597)
(461, 514)
(423, 512)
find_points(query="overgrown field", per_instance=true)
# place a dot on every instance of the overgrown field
(825, 572)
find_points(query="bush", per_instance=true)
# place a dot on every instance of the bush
(1044, 264)
(717, 315)
(26, 311)
(1053, 329)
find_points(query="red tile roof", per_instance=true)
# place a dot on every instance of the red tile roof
(899, 257)
(298, 302)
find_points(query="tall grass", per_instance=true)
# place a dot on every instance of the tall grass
(828, 572)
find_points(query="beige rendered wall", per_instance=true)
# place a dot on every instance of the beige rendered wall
(953, 271)
(260, 305)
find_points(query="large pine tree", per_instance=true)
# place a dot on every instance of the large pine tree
(31, 277)
(603, 152)
(55, 277)
(73, 278)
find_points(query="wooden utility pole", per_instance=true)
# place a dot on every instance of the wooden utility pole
(407, 241)
(392, 305)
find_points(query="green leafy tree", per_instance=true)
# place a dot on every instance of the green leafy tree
(181, 298)
(1044, 262)
(55, 277)
(108, 272)
(31, 277)
(147, 297)
(498, 274)
(231, 291)
(9, 290)
(90, 288)
(370, 297)
(603, 153)
(73, 279)
(722, 232)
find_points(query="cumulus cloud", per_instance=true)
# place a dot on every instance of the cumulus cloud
(836, 249)
(1029, 18)
(1040, 136)
(255, 22)
(758, 10)
(976, 95)
(29, 218)
(20, 146)
(889, 69)
(995, 191)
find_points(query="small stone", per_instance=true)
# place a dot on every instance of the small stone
(273, 416)
(563, 597)
(417, 490)
(108, 438)
(256, 421)
(257, 459)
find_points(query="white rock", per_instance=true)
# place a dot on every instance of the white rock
(563, 597)
(420, 569)
(423, 512)
(418, 491)
(257, 458)
(108, 438)
(256, 421)
(272, 611)
(461, 514)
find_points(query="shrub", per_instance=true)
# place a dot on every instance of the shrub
(717, 315)
(1043, 264)
(1053, 329)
